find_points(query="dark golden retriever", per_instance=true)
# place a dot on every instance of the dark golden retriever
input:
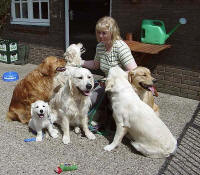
(37, 85)
(143, 83)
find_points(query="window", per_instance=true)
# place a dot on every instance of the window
(30, 12)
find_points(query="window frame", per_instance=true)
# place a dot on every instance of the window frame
(30, 20)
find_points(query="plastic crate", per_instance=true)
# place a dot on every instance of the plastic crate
(8, 45)
(8, 57)
(8, 51)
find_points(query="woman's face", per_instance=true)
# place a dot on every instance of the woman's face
(103, 36)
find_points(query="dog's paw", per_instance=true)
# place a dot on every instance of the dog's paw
(39, 139)
(77, 130)
(66, 140)
(90, 135)
(108, 148)
(54, 133)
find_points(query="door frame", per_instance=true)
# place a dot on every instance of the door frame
(67, 21)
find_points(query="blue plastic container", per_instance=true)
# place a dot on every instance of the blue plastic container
(10, 76)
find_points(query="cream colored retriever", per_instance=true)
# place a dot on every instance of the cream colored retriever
(149, 134)
(71, 104)
(73, 58)
(143, 83)
(40, 119)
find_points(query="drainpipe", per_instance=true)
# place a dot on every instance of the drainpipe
(66, 23)
(110, 7)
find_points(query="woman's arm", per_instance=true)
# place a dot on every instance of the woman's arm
(125, 56)
(131, 65)
(91, 64)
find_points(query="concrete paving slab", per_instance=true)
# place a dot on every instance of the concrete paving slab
(19, 157)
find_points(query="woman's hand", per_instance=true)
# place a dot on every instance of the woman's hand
(91, 64)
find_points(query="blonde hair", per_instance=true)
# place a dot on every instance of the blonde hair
(107, 23)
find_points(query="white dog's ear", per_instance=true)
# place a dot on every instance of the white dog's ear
(109, 84)
(32, 107)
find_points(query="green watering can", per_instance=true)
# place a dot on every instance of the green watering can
(153, 31)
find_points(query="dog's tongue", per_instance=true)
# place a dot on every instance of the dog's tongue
(60, 69)
(153, 90)
(86, 93)
(41, 115)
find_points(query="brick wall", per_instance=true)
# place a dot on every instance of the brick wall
(185, 41)
(177, 81)
(177, 69)
(43, 41)
(39, 52)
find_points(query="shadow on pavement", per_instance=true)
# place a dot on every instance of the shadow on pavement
(187, 158)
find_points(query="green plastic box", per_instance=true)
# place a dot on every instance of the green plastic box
(8, 57)
(153, 32)
(8, 51)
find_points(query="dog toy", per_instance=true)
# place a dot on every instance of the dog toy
(65, 167)
(33, 139)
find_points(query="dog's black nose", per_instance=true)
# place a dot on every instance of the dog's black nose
(154, 80)
(89, 86)
(41, 111)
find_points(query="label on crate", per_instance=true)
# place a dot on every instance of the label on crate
(3, 47)
(13, 46)
(3, 57)
(13, 57)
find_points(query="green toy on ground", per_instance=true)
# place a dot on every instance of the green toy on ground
(65, 167)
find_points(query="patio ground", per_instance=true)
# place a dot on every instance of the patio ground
(181, 115)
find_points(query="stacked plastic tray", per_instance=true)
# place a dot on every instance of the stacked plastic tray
(8, 51)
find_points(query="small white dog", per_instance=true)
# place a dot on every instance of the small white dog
(71, 103)
(73, 58)
(151, 136)
(40, 119)
(73, 54)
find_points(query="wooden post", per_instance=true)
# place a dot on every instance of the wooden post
(129, 37)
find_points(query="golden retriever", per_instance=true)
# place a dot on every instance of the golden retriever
(37, 85)
(149, 134)
(71, 104)
(143, 83)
